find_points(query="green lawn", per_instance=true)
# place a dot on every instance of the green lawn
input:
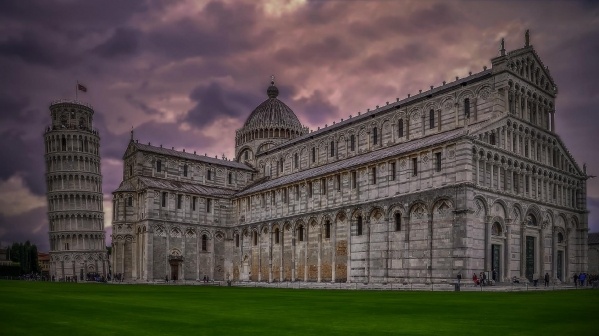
(37, 308)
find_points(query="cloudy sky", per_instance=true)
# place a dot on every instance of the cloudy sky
(187, 73)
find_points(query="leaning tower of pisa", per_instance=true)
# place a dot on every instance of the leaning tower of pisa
(74, 184)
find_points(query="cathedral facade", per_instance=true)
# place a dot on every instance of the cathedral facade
(462, 178)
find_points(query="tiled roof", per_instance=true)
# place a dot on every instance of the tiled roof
(190, 156)
(594, 238)
(356, 161)
(384, 109)
(191, 188)
(125, 186)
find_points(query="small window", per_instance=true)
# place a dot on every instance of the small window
(297, 193)
(284, 195)
(246, 155)
(296, 161)
(373, 175)
(204, 243)
(130, 170)
(194, 200)
(164, 196)
(281, 165)
(236, 240)
(130, 201)
(431, 119)
(185, 170)
(392, 172)
(158, 166)
(263, 200)
(359, 226)
(352, 142)
(230, 178)
(310, 186)
(560, 237)
(179, 201)
(400, 128)
(354, 179)
(300, 233)
(397, 221)
(209, 174)
(338, 182)
(323, 185)
(332, 149)
(467, 107)
(255, 237)
(438, 161)
(375, 136)
(277, 236)
(414, 166)
(327, 229)
(208, 205)
(313, 154)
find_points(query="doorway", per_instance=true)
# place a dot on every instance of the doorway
(496, 262)
(560, 265)
(530, 257)
(174, 270)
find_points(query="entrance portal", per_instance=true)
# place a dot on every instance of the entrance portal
(174, 270)
(496, 262)
(560, 265)
(530, 257)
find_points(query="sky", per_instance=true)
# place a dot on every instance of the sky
(186, 74)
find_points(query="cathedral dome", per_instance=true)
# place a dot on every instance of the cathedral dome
(272, 112)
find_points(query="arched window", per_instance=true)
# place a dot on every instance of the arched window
(332, 148)
(397, 221)
(531, 220)
(230, 178)
(276, 235)
(246, 155)
(295, 160)
(300, 233)
(204, 243)
(467, 107)
(400, 128)
(236, 240)
(209, 174)
(496, 229)
(352, 142)
(185, 170)
(64, 143)
(375, 136)
(359, 226)
(560, 237)
(327, 229)
(158, 166)
(431, 119)
(313, 154)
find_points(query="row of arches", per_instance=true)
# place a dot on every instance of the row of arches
(72, 163)
(530, 106)
(72, 143)
(78, 257)
(70, 242)
(245, 135)
(76, 222)
(84, 182)
(529, 69)
(74, 201)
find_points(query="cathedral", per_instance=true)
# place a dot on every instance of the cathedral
(467, 177)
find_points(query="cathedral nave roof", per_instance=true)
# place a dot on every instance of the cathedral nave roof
(356, 161)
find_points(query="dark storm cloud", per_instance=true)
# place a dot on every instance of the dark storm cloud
(316, 109)
(324, 51)
(23, 156)
(124, 42)
(220, 31)
(213, 102)
(32, 47)
(32, 226)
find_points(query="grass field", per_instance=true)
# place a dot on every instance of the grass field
(38, 308)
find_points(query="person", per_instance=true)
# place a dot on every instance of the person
(475, 279)
(459, 278)
(482, 279)
(575, 280)
(166, 278)
(546, 279)
(581, 278)
(535, 279)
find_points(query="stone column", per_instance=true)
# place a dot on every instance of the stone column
(554, 252)
(211, 238)
(319, 254)
(522, 250)
(506, 250)
(552, 120)
(293, 242)
(367, 269)
(488, 222)
(270, 233)
(349, 250)
(334, 248)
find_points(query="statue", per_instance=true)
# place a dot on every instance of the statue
(527, 38)
(502, 49)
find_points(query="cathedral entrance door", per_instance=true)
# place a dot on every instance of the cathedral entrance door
(496, 262)
(174, 271)
(530, 257)
(560, 265)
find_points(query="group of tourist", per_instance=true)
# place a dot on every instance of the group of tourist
(481, 279)
(584, 279)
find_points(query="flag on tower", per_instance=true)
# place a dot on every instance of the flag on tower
(80, 87)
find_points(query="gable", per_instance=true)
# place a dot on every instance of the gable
(527, 64)
(131, 149)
